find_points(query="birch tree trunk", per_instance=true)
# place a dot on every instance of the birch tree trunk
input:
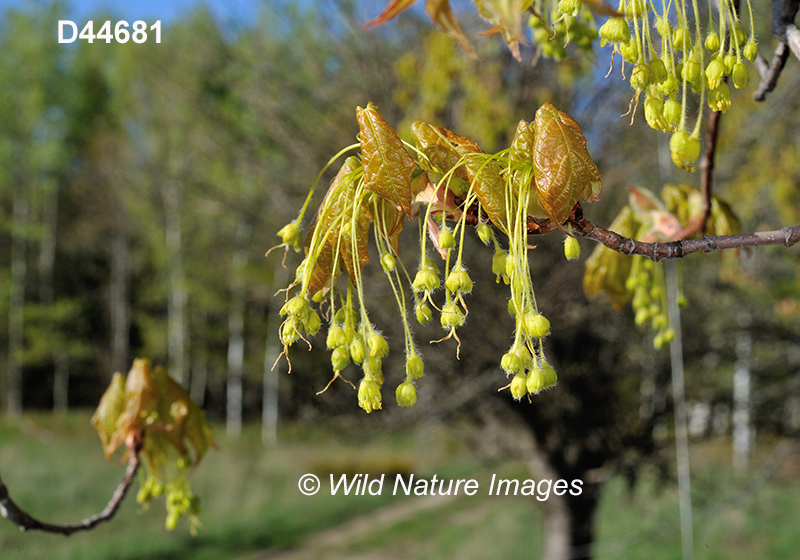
(269, 411)
(19, 229)
(177, 285)
(236, 331)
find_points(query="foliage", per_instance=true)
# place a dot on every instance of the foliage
(544, 174)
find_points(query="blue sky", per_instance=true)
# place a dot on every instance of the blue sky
(228, 11)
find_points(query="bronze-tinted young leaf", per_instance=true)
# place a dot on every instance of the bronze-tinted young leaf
(520, 158)
(562, 165)
(390, 11)
(441, 14)
(388, 168)
(438, 145)
(657, 223)
(506, 17)
(607, 270)
(106, 417)
(332, 245)
(389, 222)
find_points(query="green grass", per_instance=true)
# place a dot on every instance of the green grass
(54, 468)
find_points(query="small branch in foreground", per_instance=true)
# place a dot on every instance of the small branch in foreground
(772, 72)
(26, 522)
(787, 236)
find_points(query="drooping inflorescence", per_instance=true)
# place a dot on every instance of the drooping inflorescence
(447, 184)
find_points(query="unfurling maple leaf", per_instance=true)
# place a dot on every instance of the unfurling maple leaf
(563, 168)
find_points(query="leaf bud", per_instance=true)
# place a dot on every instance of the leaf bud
(378, 347)
(715, 71)
(415, 367)
(424, 313)
(406, 394)
(292, 235)
(640, 77)
(750, 51)
(340, 358)
(484, 233)
(369, 395)
(446, 239)
(740, 75)
(712, 42)
(357, 350)
(388, 262)
(458, 281)
(519, 386)
(615, 30)
(572, 249)
(336, 337)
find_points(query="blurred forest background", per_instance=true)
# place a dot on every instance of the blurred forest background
(141, 185)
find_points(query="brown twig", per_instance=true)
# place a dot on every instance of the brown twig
(787, 236)
(772, 72)
(26, 522)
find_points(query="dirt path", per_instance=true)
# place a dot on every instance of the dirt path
(330, 543)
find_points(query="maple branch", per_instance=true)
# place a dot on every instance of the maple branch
(26, 522)
(787, 236)
(771, 72)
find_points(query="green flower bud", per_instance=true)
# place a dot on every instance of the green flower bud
(572, 249)
(636, 8)
(424, 313)
(658, 71)
(446, 239)
(550, 377)
(669, 335)
(684, 149)
(615, 30)
(629, 51)
(518, 386)
(415, 367)
(691, 70)
(406, 394)
(679, 37)
(720, 99)
(640, 77)
(289, 334)
(340, 358)
(729, 60)
(510, 265)
(452, 316)
(292, 235)
(536, 325)
(373, 369)
(712, 42)
(297, 306)
(357, 350)
(750, 51)
(319, 296)
(535, 381)
(672, 112)
(378, 347)
(739, 34)
(715, 71)
(388, 262)
(312, 323)
(664, 27)
(425, 280)
(499, 264)
(458, 281)
(669, 85)
(336, 337)
(654, 113)
(659, 321)
(740, 75)
(369, 395)
(642, 316)
(485, 233)
(511, 362)
(512, 308)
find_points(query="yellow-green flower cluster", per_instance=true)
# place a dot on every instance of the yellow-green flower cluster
(565, 23)
(646, 282)
(676, 56)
